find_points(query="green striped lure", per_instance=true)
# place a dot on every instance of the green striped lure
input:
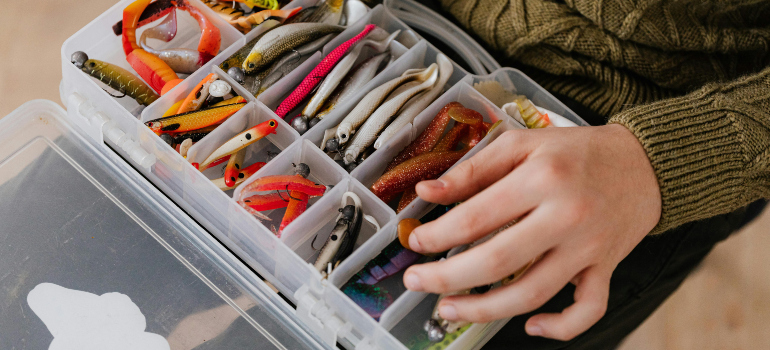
(116, 77)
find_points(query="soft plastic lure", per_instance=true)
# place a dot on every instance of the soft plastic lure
(265, 4)
(236, 59)
(360, 75)
(233, 167)
(405, 228)
(392, 260)
(408, 196)
(242, 176)
(184, 61)
(339, 72)
(532, 117)
(419, 103)
(283, 183)
(452, 138)
(243, 22)
(288, 62)
(199, 93)
(241, 141)
(343, 237)
(282, 40)
(329, 12)
(151, 68)
(374, 300)
(367, 133)
(374, 98)
(151, 13)
(406, 175)
(270, 201)
(194, 120)
(427, 139)
(319, 73)
(297, 205)
(116, 77)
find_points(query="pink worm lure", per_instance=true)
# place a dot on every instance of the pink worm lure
(319, 73)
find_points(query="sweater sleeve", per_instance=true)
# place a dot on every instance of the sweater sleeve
(710, 149)
(675, 25)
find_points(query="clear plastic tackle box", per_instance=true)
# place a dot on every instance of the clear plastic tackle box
(106, 228)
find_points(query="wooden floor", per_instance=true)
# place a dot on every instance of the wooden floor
(724, 305)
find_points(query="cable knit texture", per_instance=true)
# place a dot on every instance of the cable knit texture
(687, 77)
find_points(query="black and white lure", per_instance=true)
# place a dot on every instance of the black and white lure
(343, 237)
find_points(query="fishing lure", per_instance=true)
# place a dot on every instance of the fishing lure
(151, 68)
(297, 205)
(236, 59)
(151, 13)
(184, 61)
(241, 141)
(427, 139)
(366, 135)
(283, 183)
(266, 4)
(532, 117)
(243, 22)
(282, 40)
(184, 147)
(194, 120)
(343, 237)
(374, 98)
(233, 167)
(288, 62)
(115, 77)
(341, 70)
(427, 166)
(452, 138)
(265, 202)
(302, 16)
(361, 75)
(419, 103)
(374, 300)
(405, 228)
(408, 196)
(244, 174)
(199, 93)
(318, 73)
(392, 260)
(329, 12)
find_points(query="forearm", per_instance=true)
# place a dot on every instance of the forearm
(709, 149)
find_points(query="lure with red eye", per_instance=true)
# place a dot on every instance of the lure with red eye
(233, 168)
(270, 201)
(242, 140)
(297, 205)
(283, 183)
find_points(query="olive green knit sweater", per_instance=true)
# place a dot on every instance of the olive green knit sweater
(689, 78)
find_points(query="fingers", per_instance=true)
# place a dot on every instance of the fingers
(546, 278)
(591, 296)
(479, 171)
(488, 262)
(483, 213)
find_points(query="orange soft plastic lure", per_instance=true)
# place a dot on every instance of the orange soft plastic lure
(270, 201)
(152, 69)
(282, 183)
(408, 196)
(297, 205)
(452, 138)
(194, 120)
(427, 139)
(406, 175)
(195, 98)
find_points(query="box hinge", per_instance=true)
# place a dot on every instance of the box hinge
(98, 125)
(312, 310)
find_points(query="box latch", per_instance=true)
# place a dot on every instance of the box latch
(98, 125)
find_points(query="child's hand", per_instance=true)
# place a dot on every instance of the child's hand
(587, 196)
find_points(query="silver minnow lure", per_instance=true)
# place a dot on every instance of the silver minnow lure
(368, 132)
(374, 98)
(416, 105)
(361, 75)
(290, 61)
(284, 39)
(341, 70)
(343, 237)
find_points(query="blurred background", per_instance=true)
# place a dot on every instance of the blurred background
(725, 304)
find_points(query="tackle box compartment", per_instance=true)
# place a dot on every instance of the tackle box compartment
(200, 230)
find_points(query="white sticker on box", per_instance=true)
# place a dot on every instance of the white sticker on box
(84, 321)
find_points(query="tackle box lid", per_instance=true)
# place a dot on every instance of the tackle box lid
(91, 258)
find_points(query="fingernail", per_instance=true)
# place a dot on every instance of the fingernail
(534, 330)
(448, 312)
(414, 244)
(434, 184)
(412, 282)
